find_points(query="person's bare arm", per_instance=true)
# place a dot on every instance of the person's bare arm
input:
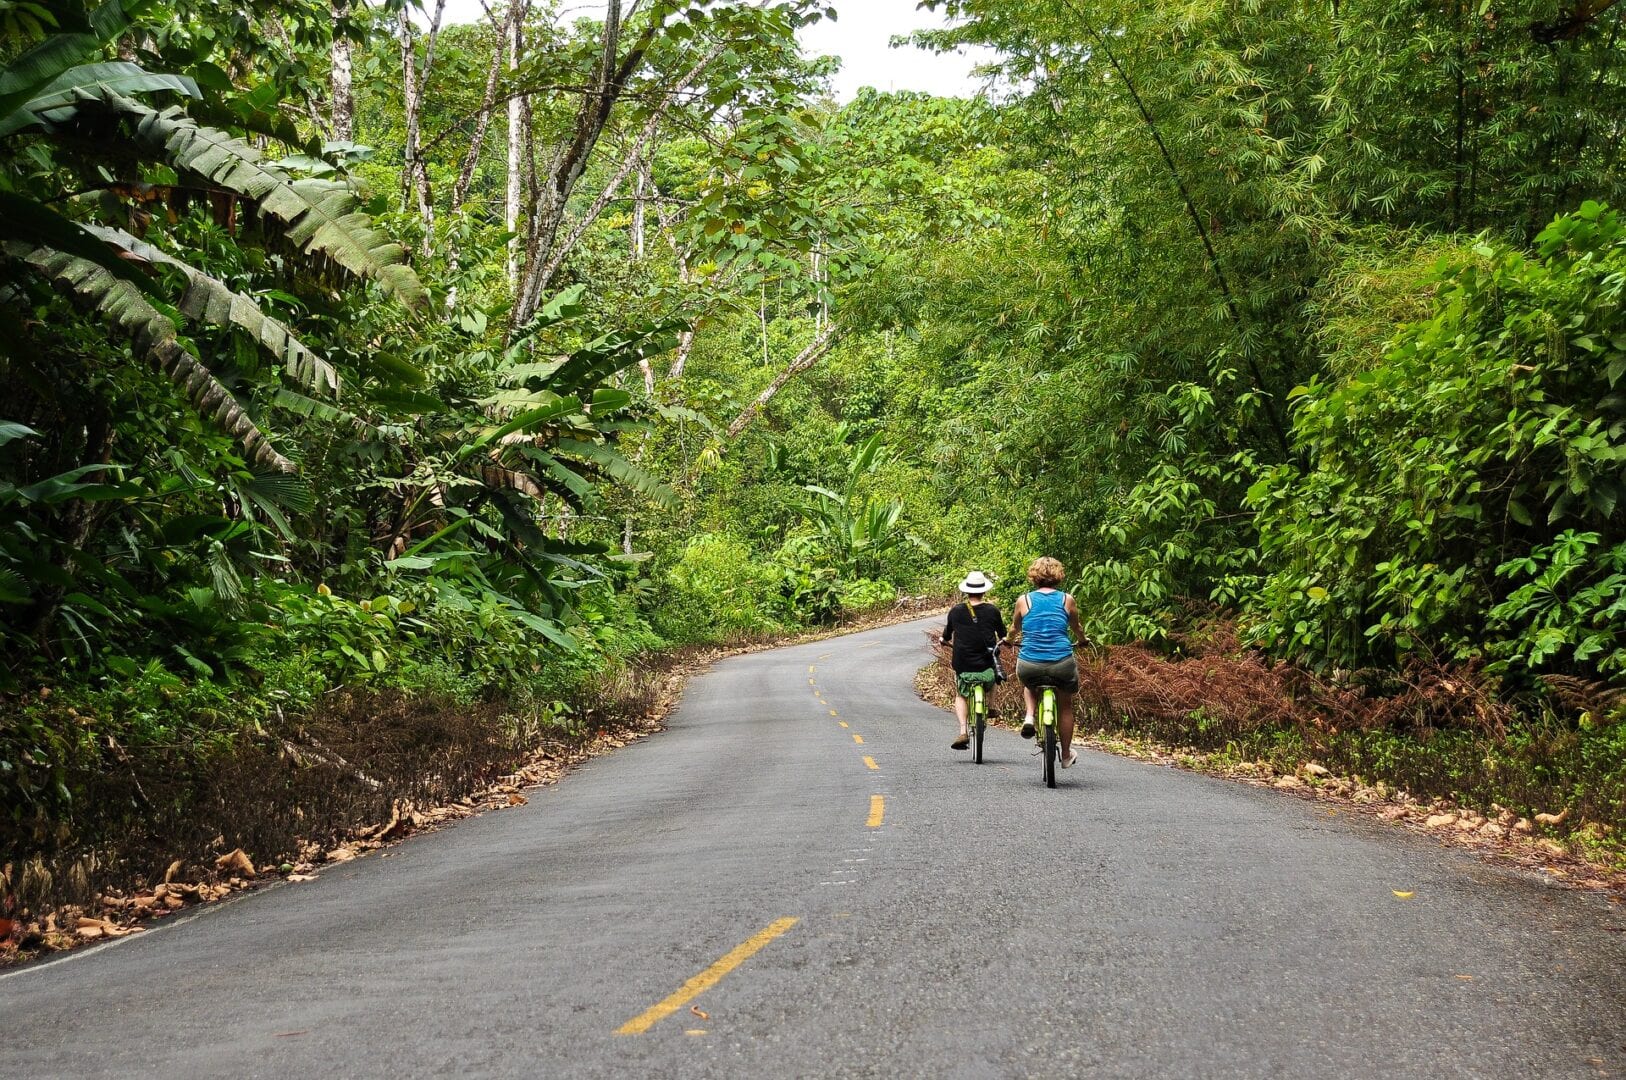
(1071, 605)
(1016, 619)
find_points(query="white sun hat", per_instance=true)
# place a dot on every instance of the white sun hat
(975, 583)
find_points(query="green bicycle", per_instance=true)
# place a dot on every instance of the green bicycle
(979, 721)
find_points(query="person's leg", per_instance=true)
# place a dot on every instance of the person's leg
(1064, 707)
(1031, 704)
(961, 713)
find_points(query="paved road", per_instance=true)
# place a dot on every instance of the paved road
(1136, 922)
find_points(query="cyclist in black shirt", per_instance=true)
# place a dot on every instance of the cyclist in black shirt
(975, 629)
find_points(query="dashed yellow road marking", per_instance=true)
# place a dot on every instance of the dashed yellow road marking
(706, 979)
(870, 762)
(810, 669)
(834, 713)
(843, 723)
(857, 738)
(877, 811)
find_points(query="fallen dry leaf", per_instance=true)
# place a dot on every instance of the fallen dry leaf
(1553, 819)
(1464, 978)
(1439, 821)
(517, 799)
(696, 1010)
(301, 877)
(174, 868)
(237, 860)
(341, 854)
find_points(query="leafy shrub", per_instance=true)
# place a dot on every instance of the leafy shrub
(717, 587)
(865, 593)
(1479, 469)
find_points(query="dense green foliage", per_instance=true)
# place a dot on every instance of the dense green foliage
(1304, 314)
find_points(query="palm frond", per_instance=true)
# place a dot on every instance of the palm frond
(612, 464)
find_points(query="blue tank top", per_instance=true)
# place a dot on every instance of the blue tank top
(1044, 628)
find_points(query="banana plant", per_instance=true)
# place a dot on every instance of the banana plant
(858, 529)
(58, 93)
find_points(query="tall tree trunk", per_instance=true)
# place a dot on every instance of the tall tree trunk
(516, 147)
(417, 176)
(640, 145)
(471, 159)
(482, 119)
(344, 105)
(548, 204)
(640, 188)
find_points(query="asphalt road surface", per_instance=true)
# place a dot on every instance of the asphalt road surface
(757, 892)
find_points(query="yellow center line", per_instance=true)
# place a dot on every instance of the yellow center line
(843, 723)
(705, 980)
(870, 762)
(832, 711)
(857, 738)
(810, 669)
(877, 811)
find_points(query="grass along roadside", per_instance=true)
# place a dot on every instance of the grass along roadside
(294, 799)
(1544, 833)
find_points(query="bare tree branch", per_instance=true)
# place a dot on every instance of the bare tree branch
(804, 360)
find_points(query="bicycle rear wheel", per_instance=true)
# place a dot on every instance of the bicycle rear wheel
(1050, 756)
(976, 736)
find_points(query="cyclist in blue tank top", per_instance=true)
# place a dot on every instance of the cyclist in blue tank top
(1043, 620)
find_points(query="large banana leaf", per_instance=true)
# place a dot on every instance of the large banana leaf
(612, 464)
(26, 76)
(212, 301)
(319, 216)
(119, 302)
(56, 100)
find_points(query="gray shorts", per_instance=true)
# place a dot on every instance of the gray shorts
(1062, 674)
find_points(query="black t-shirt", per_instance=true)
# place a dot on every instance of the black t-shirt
(973, 635)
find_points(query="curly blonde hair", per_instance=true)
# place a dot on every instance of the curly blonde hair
(1046, 573)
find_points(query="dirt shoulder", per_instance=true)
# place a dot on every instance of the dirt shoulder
(633, 709)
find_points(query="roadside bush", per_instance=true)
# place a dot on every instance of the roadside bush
(717, 588)
(865, 594)
(1475, 476)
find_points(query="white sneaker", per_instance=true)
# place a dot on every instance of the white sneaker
(1070, 760)
(1028, 727)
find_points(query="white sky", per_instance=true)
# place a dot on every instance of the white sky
(859, 37)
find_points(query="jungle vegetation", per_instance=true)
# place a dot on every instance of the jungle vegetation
(350, 349)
